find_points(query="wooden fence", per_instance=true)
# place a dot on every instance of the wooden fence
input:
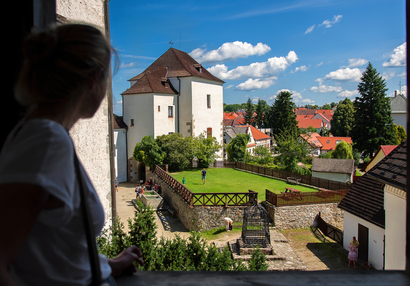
(206, 199)
(330, 230)
(308, 180)
(323, 197)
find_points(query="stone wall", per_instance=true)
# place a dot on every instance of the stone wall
(199, 218)
(90, 136)
(302, 216)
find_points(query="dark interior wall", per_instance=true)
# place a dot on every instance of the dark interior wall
(22, 17)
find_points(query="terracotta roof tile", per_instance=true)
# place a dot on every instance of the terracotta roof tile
(258, 135)
(329, 143)
(305, 123)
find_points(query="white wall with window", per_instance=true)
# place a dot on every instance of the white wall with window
(165, 119)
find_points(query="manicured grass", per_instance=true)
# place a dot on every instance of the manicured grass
(225, 180)
(358, 173)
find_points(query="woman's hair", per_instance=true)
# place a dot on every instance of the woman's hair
(59, 63)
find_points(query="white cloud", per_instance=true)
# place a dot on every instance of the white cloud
(310, 29)
(329, 23)
(138, 57)
(307, 101)
(301, 68)
(319, 64)
(403, 74)
(346, 74)
(354, 63)
(229, 86)
(296, 96)
(348, 93)
(398, 57)
(124, 65)
(117, 107)
(273, 66)
(254, 84)
(229, 51)
(388, 75)
(326, 88)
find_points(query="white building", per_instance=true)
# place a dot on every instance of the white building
(375, 212)
(340, 170)
(398, 105)
(120, 149)
(174, 94)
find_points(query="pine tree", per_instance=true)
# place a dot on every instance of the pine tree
(259, 113)
(373, 121)
(343, 119)
(248, 116)
(282, 115)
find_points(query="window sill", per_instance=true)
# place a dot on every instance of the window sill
(334, 277)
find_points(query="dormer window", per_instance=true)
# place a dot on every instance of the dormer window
(198, 67)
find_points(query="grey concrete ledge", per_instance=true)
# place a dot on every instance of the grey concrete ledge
(286, 278)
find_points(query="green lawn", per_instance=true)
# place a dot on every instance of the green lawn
(221, 180)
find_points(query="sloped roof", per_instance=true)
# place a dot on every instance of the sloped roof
(343, 166)
(152, 82)
(258, 135)
(322, 116)
(398, 104)
(392, 169)
(386, 149)
(304, 111)
(179, 64)
(312, 139)
(119, 123)
(365, 199)
(305, 123)
(329, 143)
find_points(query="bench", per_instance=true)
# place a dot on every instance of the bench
(293, 180)
(172, 212)
(323, 193)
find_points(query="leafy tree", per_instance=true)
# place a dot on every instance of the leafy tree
(343, 119)
(177, 151)
(248, 116)
(333, 104)
(205, 149)
(400, 133)
(373, 122)
(343, 150)
(327, 106)
(282, 114)
(292, 151)
(148, 152)
(231, 107)
(262, 155)
(236, 148)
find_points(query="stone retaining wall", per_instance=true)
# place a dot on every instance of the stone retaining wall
(286, 217)
(199, 218)
(302, 216)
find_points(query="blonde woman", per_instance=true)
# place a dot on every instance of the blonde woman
(44, 241)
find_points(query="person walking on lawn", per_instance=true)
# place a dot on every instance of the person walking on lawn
(203, 175)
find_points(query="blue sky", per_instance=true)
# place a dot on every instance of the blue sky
(315, 49)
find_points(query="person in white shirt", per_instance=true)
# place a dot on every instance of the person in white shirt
(63, 79)
(228, 223)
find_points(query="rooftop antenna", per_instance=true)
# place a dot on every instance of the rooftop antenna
(180, 40)
(400, 86)
(171, 43)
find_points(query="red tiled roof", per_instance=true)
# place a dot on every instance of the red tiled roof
(329, 143)
(312, 140)
(258, 135)
(387, 149)
(305, 123)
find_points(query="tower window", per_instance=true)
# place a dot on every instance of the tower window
(208, 100)
(170, 111)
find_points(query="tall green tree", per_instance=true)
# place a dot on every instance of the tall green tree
(373, 121)
(248, 116)
(177, 151)
(148, 152)
(260, 112)
(283, 116)
(236, 148)
(343, 119)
